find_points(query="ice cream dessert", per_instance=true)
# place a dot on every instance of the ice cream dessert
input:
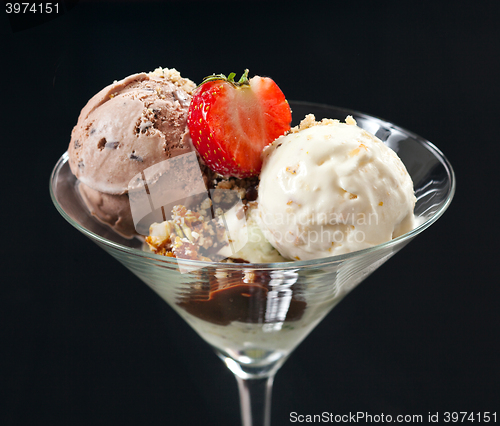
(320, 183)
(125, 128)
(317, 190)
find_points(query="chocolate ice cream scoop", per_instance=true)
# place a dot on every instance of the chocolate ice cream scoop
(112, 210)
(129, 126)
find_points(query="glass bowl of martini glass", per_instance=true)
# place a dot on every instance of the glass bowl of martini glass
(254, 315)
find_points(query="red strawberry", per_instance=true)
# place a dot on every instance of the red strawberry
(231, 122)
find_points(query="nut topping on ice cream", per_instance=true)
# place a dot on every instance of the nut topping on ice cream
(320, 189)
(187, 236)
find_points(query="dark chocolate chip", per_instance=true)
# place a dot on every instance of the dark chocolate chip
(180, 97)
(143, 128)
(251, 193)
(101, 144)
(77, 144)
(92, 131)
(81, 166)
(135, 157)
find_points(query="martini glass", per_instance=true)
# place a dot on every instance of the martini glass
(254, 315)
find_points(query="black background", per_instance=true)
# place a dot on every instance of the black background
(84, 342)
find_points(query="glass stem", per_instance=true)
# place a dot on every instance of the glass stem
(255, 400)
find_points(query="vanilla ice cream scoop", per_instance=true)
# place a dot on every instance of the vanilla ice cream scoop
(329, 188)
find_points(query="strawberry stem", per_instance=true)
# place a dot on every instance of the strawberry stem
(244, 78)
(243, 81)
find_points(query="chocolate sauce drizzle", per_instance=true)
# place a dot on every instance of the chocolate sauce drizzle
(235, 298)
